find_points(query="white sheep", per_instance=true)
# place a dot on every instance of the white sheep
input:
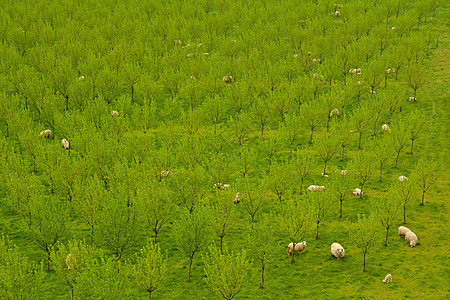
(66, 144)
(412, 99)
(227, 79)
(337, 13)
(357, 192)
(355, 71)
(334, 112)
(205, 53)
(237, 197)
(324, 175)
(387, 278)
(114, 113)
(358, 83)
(385, 128)
(70, 260)
(402, 178)
(166, 173)
(411, 237)
(81, 77)
(337, 250)
(220, 186)
(316, 188)
(46, 133)
(372, 92)
(402, 230)
(299, 247)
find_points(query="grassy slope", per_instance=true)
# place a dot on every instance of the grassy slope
(417, 272)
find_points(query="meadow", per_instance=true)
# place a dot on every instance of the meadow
(164, 102)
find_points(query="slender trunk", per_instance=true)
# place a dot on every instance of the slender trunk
(375, 128)
(396, 160)
(328, 123)
(415, 95)
(34, 165)
(387, 233)
(189, 272)
(301, 186)
(385, 81)
(221, 238)
(423, 196)
(67, 102)
(396, 74)
(390, 116)
(7, 130)
(262, 129)
(92, 235)
(362, 184)
(215, 127)
(343, 148)
(310, 139)
(359, 143)
(404, 214)
(358, 99)
(156, 234)
(150, 295)
(282, 118)
(412, 143)
(253, 218)
(342, 111)
(324, 168)
(290, 148)
(317, 231)
(381, 171)
(48, 260)
(132, 93)
(261, 285)
(340, 208)
(364, 269)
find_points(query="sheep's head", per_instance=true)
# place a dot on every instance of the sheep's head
(304, 243)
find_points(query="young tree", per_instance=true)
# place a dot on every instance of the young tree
(365, 234)
(302, 166)
(387, 211)
(403, 193)
(251, 198)
(269, 147)
(155, 206)
(342, 131)
(416, 77)
(326, 148)
(215, 109)
(399, 138)
(311, 116)
(393, 100)
(48, 218)
(382, 151)
(261, 239)
(246, 160)
(192, 120)
(320, 205)
(240, 128)
(341, 188)
(150, 268)
(220, 167)
(426, 174)
(226, 273)
(191, 234)
(72, 260)
(222, 215)
(416, 125)
(377, 108)
(279, 180)
(188, 186)
(281, 102)
(364, 165)
(374, 74)
(362, 118)
(261, 112)
(296, 221)
(291, 129)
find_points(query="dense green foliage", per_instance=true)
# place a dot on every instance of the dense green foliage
(202, 123)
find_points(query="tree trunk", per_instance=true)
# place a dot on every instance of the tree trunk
(387, 233)
(253, 218)
(385, 81)
(328, 123)
(262, 129)
(343, 148)
(423, 196)
(189, 272)
(340, 208)
(415, 90)
(412, 143)
(390, 116)
(72, 292)
(221, 238)
(396, 74)
(132, 93)
(310, 139)
(34, 165)
(67, 102)
(364, 269)
(317, 231)
(48, 260)
(362, 184)
(381, 171)
(324, 168)
(7, 130)
(301, 186)
(396, 160)
(359, 143)
(261, 285)
(404, 214)
(92, 235)
(156, 234)
(215, 127)
(150, 295)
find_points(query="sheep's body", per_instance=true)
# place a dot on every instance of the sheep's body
(337, 13)
(227, 79)
(66, 144)
(411, 237)
(402, 230)
(237, 197)
(355, 71)
(46, 133)
(357, 192)
(324, 175)
(299, 247)
(70, 260)
(388, 278)
(316, 188)
(385, 128)
(337, 250)
(114, 113)
(334, 112)
(166, 173)
(220, 186)
(412, 99)
(402, 178)
(372, 92)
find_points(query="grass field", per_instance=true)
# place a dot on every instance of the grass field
(419, 272)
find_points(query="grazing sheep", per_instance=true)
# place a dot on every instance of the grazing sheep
(309, 53)
(166, 173)
(334, 112)
(227, 79)
(205, 53)
(357, 192)
(190, 55)
(220, 186)
(114, 113)
(412, 99)
(70, 260)
(388, 278)
(372, 92)
(46, 133)
(402, 230)
(299, 247)
(316, 60)
(295, 55)
(355, 71)
(337, 250)
(237, 198)
(385, 128)
(66, 144)
(316, 188)
(81, 77)
(402, 178)
(324, 175)
(337, 13)
(411, 237)
(358, 83)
